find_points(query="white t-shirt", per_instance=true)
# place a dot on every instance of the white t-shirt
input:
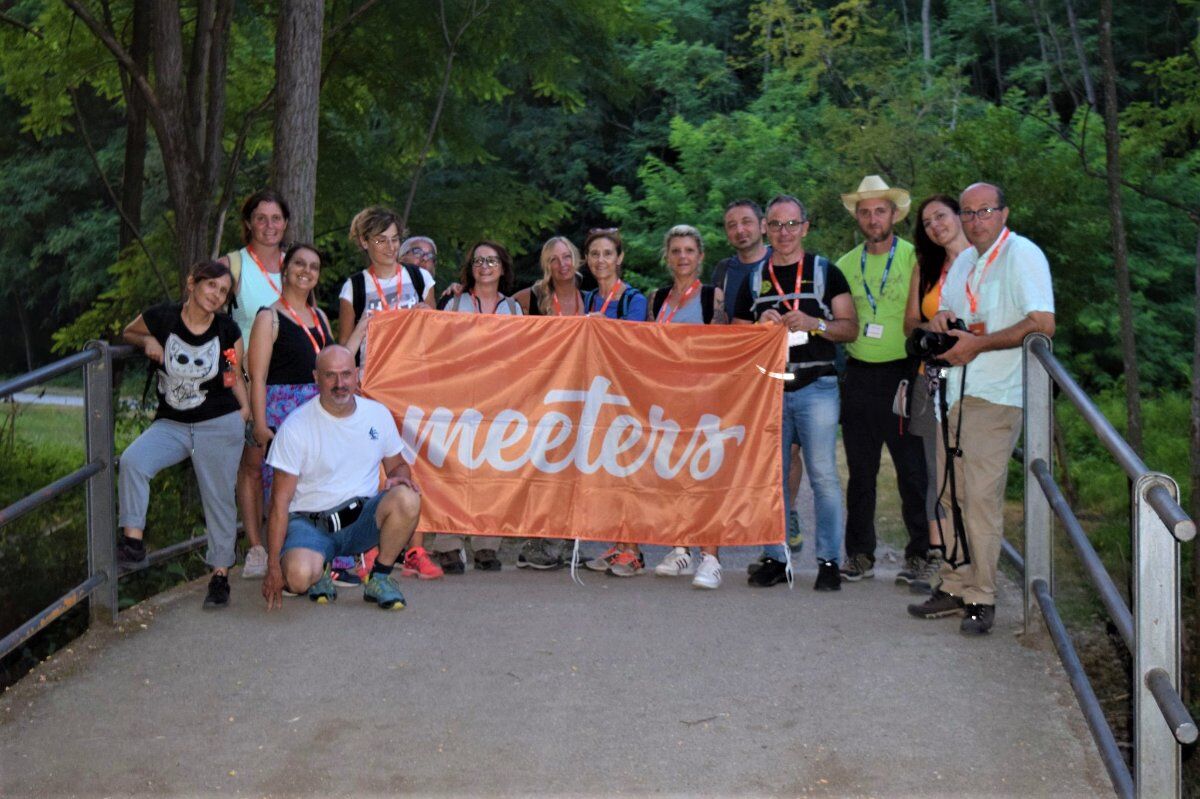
(398, 289)
(1017, 283)
(466, 303)
(335, 458)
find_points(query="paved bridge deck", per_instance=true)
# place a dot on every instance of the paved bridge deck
(519, 683)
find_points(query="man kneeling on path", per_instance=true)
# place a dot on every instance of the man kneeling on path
(327, 500)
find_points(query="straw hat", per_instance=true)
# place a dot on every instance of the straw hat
(871, 187)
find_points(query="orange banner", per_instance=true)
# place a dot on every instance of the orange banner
(581, 427)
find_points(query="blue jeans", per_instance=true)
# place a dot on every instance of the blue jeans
(360, 536)
(810, 419)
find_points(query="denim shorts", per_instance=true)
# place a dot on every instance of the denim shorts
(360, 536)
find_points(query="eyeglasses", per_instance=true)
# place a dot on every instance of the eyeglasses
(421, 254)
(982, 214)
(489, 260)
(790, 224)
(601, 231)
(384, 241)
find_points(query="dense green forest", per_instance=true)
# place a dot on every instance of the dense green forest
(129, 131)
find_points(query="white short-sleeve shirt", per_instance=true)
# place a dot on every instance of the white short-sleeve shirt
(398, 290)
(335, 459)
(1016, 284)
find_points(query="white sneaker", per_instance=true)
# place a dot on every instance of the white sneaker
(256, 563)
(708, 575)
(677, 562)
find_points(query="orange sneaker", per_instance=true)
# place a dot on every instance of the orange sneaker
(417, 563)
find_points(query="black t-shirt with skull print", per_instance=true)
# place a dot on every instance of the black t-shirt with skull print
(191, 382)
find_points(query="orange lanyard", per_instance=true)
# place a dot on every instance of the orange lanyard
(379, 289)
(558, 305)
(265, 273)
(795, 306)
(687, 295)
(318, 325)
(972, 298)
(612, 293)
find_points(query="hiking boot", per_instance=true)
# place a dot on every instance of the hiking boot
(708, 573)
(978, 619)
(755, 565)
(345, 578)
(912, 567)
(928, 577)
(322, 591)
(417, 563)
(538, 554)
(937, 606)
(858, 567)
(218, 592)
(602, 563)
(383, 591)
(677, 562)
(795, 538)
(451, 562)
(627, 564)
(828, 576)
(771, 572)
(130, 556)
(486, 560)
(255, 565)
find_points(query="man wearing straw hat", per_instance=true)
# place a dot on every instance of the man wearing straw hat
(878, 272)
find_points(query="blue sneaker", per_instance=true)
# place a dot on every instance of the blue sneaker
(383, 591)
(322, 591)
(795, 538)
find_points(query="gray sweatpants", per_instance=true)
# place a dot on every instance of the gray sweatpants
(215, 447)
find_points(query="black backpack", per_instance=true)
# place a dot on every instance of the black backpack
(358, 288)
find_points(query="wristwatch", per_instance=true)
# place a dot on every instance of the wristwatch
(821, 326)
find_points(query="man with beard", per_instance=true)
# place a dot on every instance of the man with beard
(879, 271)
(327, 500)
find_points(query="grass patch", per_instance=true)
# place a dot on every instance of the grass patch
(45, 428)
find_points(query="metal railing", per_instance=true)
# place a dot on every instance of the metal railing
(99, 476)
(1151, 629)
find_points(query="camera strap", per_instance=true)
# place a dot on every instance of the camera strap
(960, 554)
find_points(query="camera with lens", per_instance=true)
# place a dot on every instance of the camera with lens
(927, 345)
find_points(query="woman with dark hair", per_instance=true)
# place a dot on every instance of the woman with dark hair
(612, 297)
(202, 409)
(255, 272)
(284, 343)
(938, 238)
(486, 278)
(487, 274)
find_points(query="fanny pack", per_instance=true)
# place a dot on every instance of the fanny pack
(344, 515)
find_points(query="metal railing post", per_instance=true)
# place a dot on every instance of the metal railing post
(101, 494)
(1157, 769)
(1038, 446)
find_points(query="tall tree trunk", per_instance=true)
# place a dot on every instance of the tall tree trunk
(134, 171)
(1112, 147)
(927, 42)
(996, 54)
(1046, 67)
(298, 82)
(1085, 71)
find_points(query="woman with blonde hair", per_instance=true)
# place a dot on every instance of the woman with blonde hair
(557, 293)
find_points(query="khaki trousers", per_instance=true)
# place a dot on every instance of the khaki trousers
(448, 542)
(989, 433)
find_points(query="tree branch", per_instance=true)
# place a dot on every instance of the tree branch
(122, 55)
(137, 234)
(349, 20)
(19, 24)
(235, 161)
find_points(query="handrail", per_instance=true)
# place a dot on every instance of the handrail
(97, 474)
(1151, 626)
(47, 372)
(1182, 527)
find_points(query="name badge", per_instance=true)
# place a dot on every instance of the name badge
(797, 338)
(978, 328)
(873, 330)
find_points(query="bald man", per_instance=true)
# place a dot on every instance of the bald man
(327, 500)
